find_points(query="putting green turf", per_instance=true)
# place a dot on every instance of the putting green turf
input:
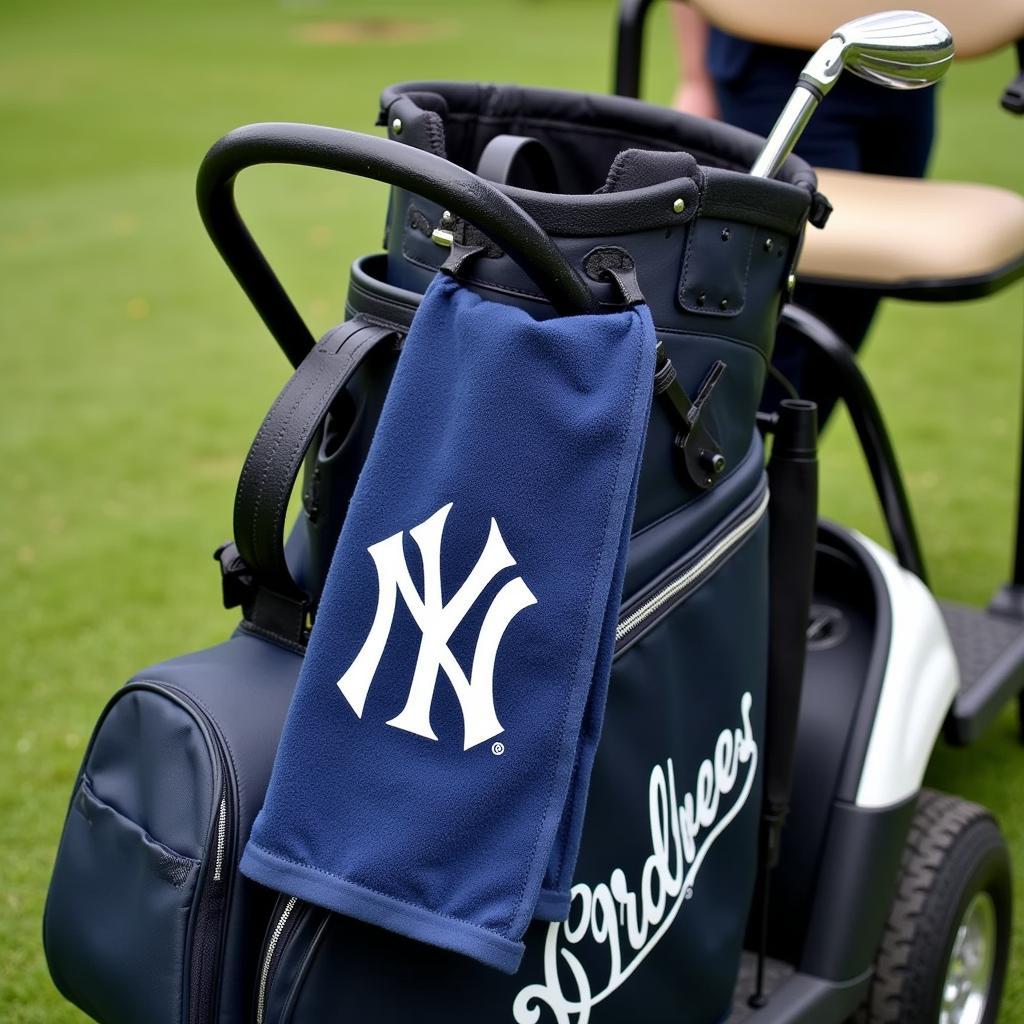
(134, 373)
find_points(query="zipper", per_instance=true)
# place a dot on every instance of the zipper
(211, 901)
(268, 957)
(205, 954)
(222, 835)
(204, 972)
(680, 585)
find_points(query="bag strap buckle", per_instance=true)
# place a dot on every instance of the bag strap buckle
(284, 619)
(238, 587)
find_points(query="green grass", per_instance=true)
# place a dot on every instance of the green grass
(134, 373)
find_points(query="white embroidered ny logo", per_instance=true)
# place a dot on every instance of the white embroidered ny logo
(437, 622)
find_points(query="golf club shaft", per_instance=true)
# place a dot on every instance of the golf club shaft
(787, 130)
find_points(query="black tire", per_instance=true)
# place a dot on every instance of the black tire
(954, 851)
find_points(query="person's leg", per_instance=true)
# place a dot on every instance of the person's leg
(898, 140)
(849, 312)
(893, 134)
(753, 101)
(860, 127)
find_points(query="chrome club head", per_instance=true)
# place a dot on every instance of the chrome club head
(897, 49)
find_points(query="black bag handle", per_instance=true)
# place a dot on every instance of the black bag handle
(464, 193)
(273, 601)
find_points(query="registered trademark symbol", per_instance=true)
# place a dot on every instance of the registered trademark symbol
(688, 895)
(498, 749)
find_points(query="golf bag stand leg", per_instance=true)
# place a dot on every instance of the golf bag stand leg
(792, 527)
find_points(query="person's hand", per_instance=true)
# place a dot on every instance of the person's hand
(696, 96)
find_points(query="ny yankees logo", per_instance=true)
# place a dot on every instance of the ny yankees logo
(437, 622)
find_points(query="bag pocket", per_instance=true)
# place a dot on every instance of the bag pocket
(669, 853)
(134, 914)
(112, 876)
(646, 609)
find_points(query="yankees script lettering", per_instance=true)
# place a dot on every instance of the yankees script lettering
(682, 834)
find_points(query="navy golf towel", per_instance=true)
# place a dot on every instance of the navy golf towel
(434, 766)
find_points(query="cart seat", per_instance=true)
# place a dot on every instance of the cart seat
(916, 239)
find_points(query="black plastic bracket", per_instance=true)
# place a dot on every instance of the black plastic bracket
(698, 455)
(460, 257)
(821, 210)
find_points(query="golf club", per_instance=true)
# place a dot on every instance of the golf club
(897, 49)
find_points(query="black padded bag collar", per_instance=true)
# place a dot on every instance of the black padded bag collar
(513, 109)
(585, 135)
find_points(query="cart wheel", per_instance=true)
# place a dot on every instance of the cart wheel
(944, 952)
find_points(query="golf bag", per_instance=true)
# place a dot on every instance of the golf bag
(555, 203)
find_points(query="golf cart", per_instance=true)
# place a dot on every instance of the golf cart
(886, 895)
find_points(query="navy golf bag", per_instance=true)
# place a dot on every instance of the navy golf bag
(559, 204)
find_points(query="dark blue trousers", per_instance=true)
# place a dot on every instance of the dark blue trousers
(859, 127)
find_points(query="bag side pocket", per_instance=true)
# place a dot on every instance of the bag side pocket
(121, 897)
(133, 920)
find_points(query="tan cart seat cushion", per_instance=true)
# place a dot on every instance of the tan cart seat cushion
(890, 232)
(978, 27)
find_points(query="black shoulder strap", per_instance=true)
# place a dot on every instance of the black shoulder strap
(278, 605)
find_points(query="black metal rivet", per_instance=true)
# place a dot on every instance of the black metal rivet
(701, 299)
(713, 462)
(724, 304)
(725, 234)
(768, 243)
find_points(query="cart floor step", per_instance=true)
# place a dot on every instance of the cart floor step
(775, 973)
(990, 652)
